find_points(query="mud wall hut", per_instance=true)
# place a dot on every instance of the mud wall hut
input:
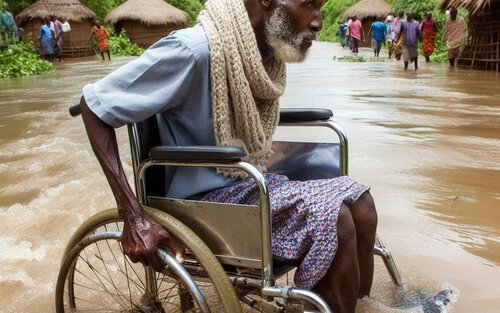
(483, 48)
(367, 11)
(75, 42)
(146, 24)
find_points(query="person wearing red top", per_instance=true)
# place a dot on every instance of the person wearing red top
(428, 30)
(101, 36)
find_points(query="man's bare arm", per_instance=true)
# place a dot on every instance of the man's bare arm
(141, 233)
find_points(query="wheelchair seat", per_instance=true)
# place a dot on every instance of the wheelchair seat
(233, 232)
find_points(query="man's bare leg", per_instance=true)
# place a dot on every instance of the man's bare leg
(365, 220)
(340, 285)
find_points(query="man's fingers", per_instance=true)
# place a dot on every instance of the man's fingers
(176, 248)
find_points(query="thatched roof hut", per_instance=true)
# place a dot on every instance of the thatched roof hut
(146, 24)
(367, 11)
(474, 6)
(76, 42)
(483, 48)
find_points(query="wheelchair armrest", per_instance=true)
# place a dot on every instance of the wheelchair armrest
(197, 154)
(304, 115)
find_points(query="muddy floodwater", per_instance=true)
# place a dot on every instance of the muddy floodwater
(427, 142)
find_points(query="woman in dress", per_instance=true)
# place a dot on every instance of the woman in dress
(101, 36)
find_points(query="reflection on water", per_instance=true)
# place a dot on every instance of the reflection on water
(427, 143)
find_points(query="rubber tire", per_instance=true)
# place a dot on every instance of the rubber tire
(185, 235)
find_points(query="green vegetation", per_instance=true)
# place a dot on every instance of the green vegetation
(120, 45)
(359, 58)
(191, 7)
(22, 60)
(352, 58)
(102, 7)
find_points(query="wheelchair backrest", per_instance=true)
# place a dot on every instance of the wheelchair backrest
(143, 136)
(296, 160)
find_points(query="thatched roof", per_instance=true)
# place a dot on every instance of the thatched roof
(71, 10)
(473, 6)
(155, 12)
(368, 8)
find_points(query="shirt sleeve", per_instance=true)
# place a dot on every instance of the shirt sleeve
(155, 82)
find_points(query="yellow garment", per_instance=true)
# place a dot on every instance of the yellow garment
(398, 48)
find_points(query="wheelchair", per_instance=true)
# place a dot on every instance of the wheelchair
(229, 263)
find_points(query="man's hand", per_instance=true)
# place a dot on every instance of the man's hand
(141, 238)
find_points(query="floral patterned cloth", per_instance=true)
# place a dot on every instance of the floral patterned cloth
(304, 218)
(101, 37)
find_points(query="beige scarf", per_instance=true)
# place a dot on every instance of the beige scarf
(245, 92)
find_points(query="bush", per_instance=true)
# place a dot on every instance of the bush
(191, 7)
(352, 58)
(332, 14)
(22, 60)
(120, 45)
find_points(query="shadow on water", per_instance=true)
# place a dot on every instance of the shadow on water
(426, 142)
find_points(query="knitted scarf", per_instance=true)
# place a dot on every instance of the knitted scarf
(244, 91)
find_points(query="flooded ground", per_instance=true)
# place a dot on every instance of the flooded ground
(427, 142)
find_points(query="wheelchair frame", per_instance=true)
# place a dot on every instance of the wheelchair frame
(267, 284)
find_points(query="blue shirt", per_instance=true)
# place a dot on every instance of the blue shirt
(379, 31)
(172, 80)
(7, 20)
(45, 32)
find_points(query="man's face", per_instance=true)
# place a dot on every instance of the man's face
(292, 27)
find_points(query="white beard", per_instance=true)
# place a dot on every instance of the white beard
(288, 46)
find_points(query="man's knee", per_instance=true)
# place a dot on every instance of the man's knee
(364, 213)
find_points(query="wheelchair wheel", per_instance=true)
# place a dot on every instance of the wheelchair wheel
(96, 276)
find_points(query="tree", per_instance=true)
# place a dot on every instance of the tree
(102, 7)
(418, 7)
(191, 7)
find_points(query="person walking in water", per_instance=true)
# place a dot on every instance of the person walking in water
(410, 30)
(46, 38)
(378, 31)
(454, 34)
(395, 35)
(356, 33)
(56, 27)
(388, 25)
(428, 30)
(101, 36)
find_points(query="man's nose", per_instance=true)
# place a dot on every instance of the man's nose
(317, 22)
